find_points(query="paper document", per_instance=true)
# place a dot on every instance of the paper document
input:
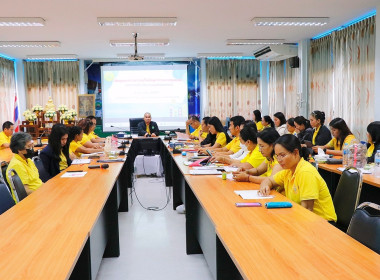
(252, 194)
(81, 161)
(206, 167)
(69, 174)
(182, 136)
(205, 172)
(230, 169)
(93, 154)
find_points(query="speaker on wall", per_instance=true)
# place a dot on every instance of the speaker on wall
(294, 62)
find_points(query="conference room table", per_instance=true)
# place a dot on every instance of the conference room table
(63, 229)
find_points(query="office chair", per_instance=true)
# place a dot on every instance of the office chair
(365, 225)
(133, 125)
(17, 185)
(44, 175)
(347, 195)
(6, 200)
(3, 174)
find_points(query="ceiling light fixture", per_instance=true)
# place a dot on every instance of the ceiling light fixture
(29, 44)
(243, 42)
(21, 21)
(202, 55)
(142, 43)
(52, 57)
(290, 21)
(137, 21)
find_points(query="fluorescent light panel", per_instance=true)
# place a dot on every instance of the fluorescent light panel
(290, 21)
(52, 57)
(242, 42)
(219, 55)
(140, 42)
(137, 21)
(29, 44)
(146, 55)
(21, 21)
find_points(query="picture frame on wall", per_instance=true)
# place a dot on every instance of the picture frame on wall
(86, 105)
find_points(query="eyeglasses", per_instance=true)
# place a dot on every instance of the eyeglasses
(281, 156)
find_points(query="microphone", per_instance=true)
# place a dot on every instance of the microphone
(103, 166)
(39, 143)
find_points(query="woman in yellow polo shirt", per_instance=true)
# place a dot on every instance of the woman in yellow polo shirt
(258, 120)
(300, 180)
(321, 134)
(215, 127)
(267, 122)
(342, 135)
(88, 126)
(22, 147)
(270, 166)
(91, 135)
(373, 136)
(248, 139)
(75, 146)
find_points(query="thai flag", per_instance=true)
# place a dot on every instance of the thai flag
(16, 120)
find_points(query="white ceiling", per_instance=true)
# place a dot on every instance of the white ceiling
(203, 25)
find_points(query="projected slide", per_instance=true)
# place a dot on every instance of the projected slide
(130, 91)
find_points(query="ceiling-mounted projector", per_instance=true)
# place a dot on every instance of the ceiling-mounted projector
(135, 57)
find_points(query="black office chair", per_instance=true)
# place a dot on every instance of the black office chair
(3, 174)
(133, 125)
(365, 225)
(16, 185)
(6, 200)
(44, 175)
(347, 195)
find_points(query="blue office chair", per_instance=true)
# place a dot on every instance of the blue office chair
(365, 225)
(44, 175)
(16, 185)
(6, 200)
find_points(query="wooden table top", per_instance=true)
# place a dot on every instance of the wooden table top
(291, 243)
(43, 235)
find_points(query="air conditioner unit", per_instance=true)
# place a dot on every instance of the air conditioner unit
(276, 52)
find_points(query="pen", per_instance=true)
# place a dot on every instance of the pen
(75, 171)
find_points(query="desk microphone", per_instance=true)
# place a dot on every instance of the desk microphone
(103, 166)
(39, 143)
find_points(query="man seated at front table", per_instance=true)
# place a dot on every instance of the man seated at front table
(6, 134)
(194, 122)
(147, 128)
(22, 147)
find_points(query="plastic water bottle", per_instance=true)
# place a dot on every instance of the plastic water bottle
(345, 155)
(376, 169)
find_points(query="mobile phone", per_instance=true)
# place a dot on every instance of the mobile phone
(248, 204)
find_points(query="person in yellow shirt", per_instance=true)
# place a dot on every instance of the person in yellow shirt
(76, 149)
(373, 138)
(321, 134)
(258, 120)
(204, 135)
(220, 137)
(91, 135)
(22, 147)
(6, 134)
(88, 126)
(301, 181)
(267, 122)
(248, 139)
(291, 126)
(234, 146)
(270, 166)
(194, 122)
(342, 135)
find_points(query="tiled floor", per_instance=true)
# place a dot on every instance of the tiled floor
(152, 243)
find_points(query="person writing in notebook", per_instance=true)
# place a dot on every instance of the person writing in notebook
(148, 128)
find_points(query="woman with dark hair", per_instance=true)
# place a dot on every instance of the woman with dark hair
(55, 156)
(91, 135)
(321, 134)
(280, 123)
(75, 146)
(267, 122)
(342, 135)
(248, 139)
(301, 181)
(303, 129)
(270, 166)
(373, 136)
(87, 127)
(290, 126)
(215, 127)
(258, 120)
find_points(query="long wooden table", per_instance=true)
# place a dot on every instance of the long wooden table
(64, 228)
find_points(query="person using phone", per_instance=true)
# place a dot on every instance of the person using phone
(300, 180)
(270, 166)
(342, 135)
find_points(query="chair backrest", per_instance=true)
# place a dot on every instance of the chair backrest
(133, 124)
(17, 185)
(44, 175)
(365, 225)
(6, 200)
(347, 195)
(3, 174)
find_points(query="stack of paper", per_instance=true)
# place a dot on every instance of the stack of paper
(81, 161)
(252, 194)
(205, 172)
